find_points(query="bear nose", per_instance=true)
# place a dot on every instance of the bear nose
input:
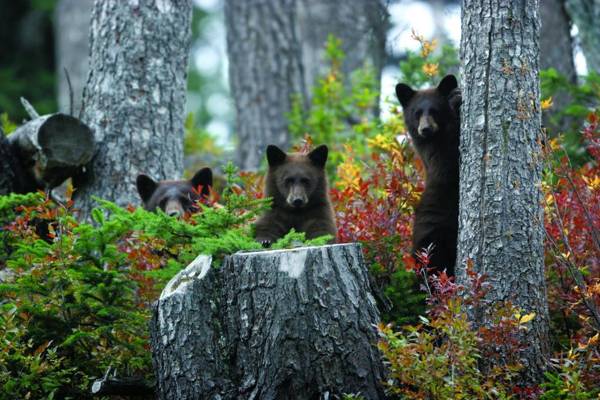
(174, 213)
(297, 202)
(427, 131)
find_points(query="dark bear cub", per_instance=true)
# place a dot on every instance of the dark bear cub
(175, 198)
(298, 185)
(432, 118)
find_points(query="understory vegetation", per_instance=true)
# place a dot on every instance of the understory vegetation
(75, 296)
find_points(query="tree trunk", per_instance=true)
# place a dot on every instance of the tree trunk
(501, 215)
(135, 94)
(360, 24)
(291, 324)
(72, 33)
(556, 44)
(275, 50)
(586, 14)
(556, 51)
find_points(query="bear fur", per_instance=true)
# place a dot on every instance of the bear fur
(177, 197)
(297, 183)
(432, 118)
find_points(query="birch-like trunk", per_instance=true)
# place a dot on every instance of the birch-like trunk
(135, 95)
(501, 215)
(586, 14)
(275, 50)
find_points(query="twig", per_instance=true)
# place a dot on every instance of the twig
(29, 108)
(573, 270)
(70, 92)
(588, 217)
(590, 221)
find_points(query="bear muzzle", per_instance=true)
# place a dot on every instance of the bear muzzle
(427, 126)
(173, 208)
(297, 197)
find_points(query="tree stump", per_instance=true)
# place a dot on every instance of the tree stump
(282, 324)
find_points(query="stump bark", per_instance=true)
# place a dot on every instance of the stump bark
(283, 324)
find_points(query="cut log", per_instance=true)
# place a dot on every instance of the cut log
(283, 324)
(50, 149)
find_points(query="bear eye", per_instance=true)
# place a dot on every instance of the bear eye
(418, 113)
(304, 181)
(289, 181)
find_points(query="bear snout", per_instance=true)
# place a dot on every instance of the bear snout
(297, 198)
(174, 208)
(427, 126)
(297, 203)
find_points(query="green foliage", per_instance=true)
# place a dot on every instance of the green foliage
(566, 380)
(198, 140)
(40, 368)
(293, 239)
(584, 97)
(27, 60)
(6, 125)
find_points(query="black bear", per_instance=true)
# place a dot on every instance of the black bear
(432, 118)
(298, 185)
(177, 197)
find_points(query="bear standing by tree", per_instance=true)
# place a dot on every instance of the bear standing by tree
(298, 185)
(432, 118)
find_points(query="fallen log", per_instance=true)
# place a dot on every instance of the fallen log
(43, 152)
(283, 324)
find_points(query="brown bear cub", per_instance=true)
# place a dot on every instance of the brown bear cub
(175, 198)
(297, 183)
(432, 118)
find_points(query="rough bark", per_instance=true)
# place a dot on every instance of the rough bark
(44, 152)
(72, 28)
(586, 14)
(291, 324)
(135, 94)
(501, 215)
(275, 50)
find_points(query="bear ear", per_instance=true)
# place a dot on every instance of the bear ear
(203, 177)
(447, 85)
(319, 156)
(404, 94)
(275, 156)
(145, 186)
